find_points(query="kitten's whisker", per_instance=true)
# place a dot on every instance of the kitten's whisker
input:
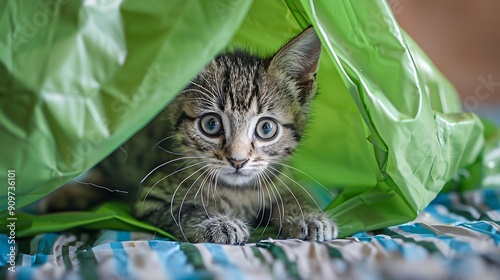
(211, 185)
(202, 184)
(215, 189)
(200, 189)
(290, 191)
(178, 221)
(266, 188)
(207, 197)
(165, 150)
(304, 189)
(258, 187)
(270, 211)
(209, 178)
(260, 203)
(282, 212)
(162, 140)
(166, 163)
(310, 149)
(177, 171)
(302, 172)
(185, 163)
(170, 152)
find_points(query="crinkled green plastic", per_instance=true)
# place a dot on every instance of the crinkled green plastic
(78, 78)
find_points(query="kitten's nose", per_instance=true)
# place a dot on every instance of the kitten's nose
(237, 163)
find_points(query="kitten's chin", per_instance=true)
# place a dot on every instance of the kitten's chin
(240, 179)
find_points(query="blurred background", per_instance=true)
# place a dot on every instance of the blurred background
(462, 37)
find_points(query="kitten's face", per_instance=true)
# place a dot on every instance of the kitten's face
(244, 114)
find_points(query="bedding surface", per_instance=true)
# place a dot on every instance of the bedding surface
(456, 237)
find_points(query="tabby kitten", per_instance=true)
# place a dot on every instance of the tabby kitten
(216, 152)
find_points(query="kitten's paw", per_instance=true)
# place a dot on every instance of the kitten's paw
(321, 228)
(315, 227)
(223, 230)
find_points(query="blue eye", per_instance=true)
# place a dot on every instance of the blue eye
(211, 124)
(266, 129)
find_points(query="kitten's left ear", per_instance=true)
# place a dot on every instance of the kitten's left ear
(299, 57)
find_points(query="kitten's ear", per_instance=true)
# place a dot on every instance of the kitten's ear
(300, 56)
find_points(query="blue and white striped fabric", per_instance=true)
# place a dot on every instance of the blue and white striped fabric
(456, 237)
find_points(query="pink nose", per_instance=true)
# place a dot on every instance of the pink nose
(237, 163)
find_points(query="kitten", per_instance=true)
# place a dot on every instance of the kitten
(216, 151)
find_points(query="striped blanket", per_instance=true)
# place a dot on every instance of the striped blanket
(456, 237)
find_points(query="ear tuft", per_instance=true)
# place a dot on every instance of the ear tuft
(299, 57)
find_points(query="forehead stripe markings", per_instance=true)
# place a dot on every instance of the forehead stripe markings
(255, 88)
(227, 83)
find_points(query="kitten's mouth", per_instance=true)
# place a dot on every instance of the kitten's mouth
(238, 173)
(236, 177)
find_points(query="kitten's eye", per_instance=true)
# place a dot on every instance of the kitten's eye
(211, 124)
(266, 129)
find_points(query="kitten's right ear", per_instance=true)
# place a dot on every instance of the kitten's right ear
(299, 57)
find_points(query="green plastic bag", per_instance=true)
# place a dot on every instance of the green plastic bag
(79, 78)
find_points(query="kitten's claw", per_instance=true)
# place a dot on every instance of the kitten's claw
(320, 228)
(223, 230)
(314, 228)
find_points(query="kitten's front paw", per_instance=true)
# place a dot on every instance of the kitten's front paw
(223, 230)
(314, 227)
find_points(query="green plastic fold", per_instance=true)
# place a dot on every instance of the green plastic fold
(78, 78)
